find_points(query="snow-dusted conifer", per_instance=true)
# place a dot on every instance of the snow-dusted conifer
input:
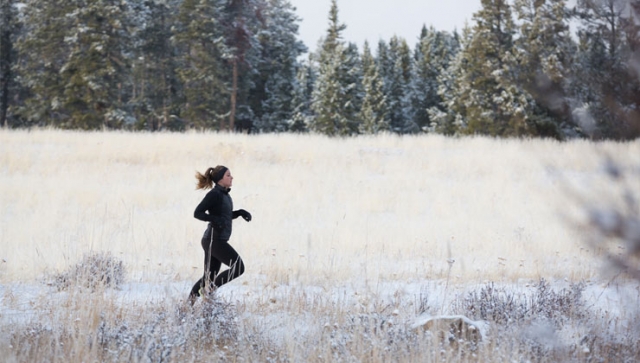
(275, 82)
(98, 64)
(75, 62)
(8, 34)
(156, 92)
(241, 22)
(334, 112)
(301, 116)
(397, 87)
(602, 77)
(450, 117)
(373, 113)
(544, 53)
(493, 103)
(202, 70)
(432, 55)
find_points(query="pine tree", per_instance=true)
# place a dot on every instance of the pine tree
(74, 63)
(450, 117)
(302, 116)
(353, 75)
(155, 87)
(273, 91)
(8, 34)
(601, 57)
(43, 51)
(432, 57)
(199, 39)
(97, 65)
(241, 21)
(544, 53)
(397, 87)
(493, 102)
(333, 108)
(373, 113)
(630, 114)
(385, 70)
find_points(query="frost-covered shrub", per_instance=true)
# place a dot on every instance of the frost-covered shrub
(504, 307)
(94, 271)
(363, 335)
(160, 336)
(528, 322)
(214, 318)
(151, 339)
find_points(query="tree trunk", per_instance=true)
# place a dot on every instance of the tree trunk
(234, 92)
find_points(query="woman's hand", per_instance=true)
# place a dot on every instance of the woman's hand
(242, 213)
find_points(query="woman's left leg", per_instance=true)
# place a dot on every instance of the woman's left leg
(211, 264)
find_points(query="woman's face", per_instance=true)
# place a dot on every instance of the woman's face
(226, 180)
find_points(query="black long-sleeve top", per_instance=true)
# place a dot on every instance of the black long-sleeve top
(217, 209)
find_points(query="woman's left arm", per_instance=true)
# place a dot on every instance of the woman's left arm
(242, 213)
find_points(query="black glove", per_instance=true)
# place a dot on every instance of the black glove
(242, 213)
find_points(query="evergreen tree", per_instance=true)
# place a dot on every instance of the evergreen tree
(432, 57)
(155, 87)
(74, 62)
(373, 113)
(333, 108)
(97, 66)
(241, 21)
(8, 34)
(601, 57)
(630, 114)
(493, 103)
(200, 41)
(273, 91)
(450, 117)
(385, 70)
(353, 73)
(302, 116)
(398, 92)
(43, 50)
(544, 54)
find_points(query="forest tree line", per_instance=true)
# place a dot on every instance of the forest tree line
(521, 68)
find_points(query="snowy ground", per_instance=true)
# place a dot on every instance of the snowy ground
(407, 302)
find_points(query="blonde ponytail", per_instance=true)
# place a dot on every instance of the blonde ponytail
(206, 180)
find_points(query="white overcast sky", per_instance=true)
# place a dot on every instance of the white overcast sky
(373, 20)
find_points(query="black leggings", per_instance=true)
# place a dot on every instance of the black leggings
(217, 252)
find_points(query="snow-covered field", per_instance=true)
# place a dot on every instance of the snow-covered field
(352, 242)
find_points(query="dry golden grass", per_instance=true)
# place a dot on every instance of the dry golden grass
(351, 240)
(325, 210)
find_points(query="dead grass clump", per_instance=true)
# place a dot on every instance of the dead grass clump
(96, 270)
